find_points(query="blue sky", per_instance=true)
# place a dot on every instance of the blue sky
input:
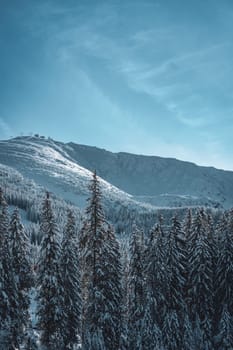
(149, 77)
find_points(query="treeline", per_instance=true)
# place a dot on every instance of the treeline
(169, 290)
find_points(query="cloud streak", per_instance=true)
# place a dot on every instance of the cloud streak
(141, 67)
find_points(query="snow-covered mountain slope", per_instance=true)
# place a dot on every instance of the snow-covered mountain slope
(170, 181)
(48, 164)
(143, 182)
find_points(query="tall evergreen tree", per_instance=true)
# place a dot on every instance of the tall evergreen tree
(224, 337)
(188, 250)
(224, 280)
(151, 333)
(113, 290)
(86, 270)
(201, 279)
(18, 246)
(9, 302)
(136, 290)
(50, 296)
(176, 268)
(69, 266)
(156, 276)
(100, 251)
(171, 334)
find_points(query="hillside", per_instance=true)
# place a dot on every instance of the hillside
(139, 181)
(153, 179)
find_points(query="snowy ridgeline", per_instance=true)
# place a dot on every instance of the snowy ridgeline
(78, 286)
(140, 182)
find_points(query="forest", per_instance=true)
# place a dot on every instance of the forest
(83, 286)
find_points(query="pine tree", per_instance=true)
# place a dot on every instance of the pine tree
(95, 341)
(201, 279)
(151, 333)
(199, 335)
(176, 269)
(224, 337)
(71, 284)
(171, 335)
(125, 295)
(136, 290)
(9, 302)
(113, 290)
(86, 270)
(21, 269)
(100, 252)
(188, 339)
(188, 249)
(50, 290)
(156, 275)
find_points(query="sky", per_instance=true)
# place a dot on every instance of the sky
(143, 76)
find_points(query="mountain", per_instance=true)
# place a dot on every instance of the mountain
(139, 181)
(164, 179)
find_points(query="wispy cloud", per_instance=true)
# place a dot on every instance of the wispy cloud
(171, 67)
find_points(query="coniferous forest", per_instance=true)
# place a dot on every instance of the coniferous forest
(90, 289)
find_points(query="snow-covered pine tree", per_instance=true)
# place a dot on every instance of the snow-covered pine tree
(199, 336)
(18, 247)
(95, 341)
(69, 266)
(50, 296)
(188, 339)
(172, 337)
(113, 291)
(136, 290)
(175, 269)
(125, 302)
(100, 251)
(214, 249)
(9, 311)
(224, 280)
(187, 228)
(85, 264)
(201, 279)
(224, 337)
(155, 273)
(175, 260)
(151, 334)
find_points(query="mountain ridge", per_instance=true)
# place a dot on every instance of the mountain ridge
(149, 180)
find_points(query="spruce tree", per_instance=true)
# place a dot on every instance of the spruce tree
(136, 290)
(113, 291)
(171, 335)
(100, 252)
(9, 301)
(50, 296)
(224, 280)
(188, 338)
(188, 249)
(18, 247)
(201, 279)
(156, 275)
(224, 337)
(69, 265)
(151, 333)
(176, 269)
